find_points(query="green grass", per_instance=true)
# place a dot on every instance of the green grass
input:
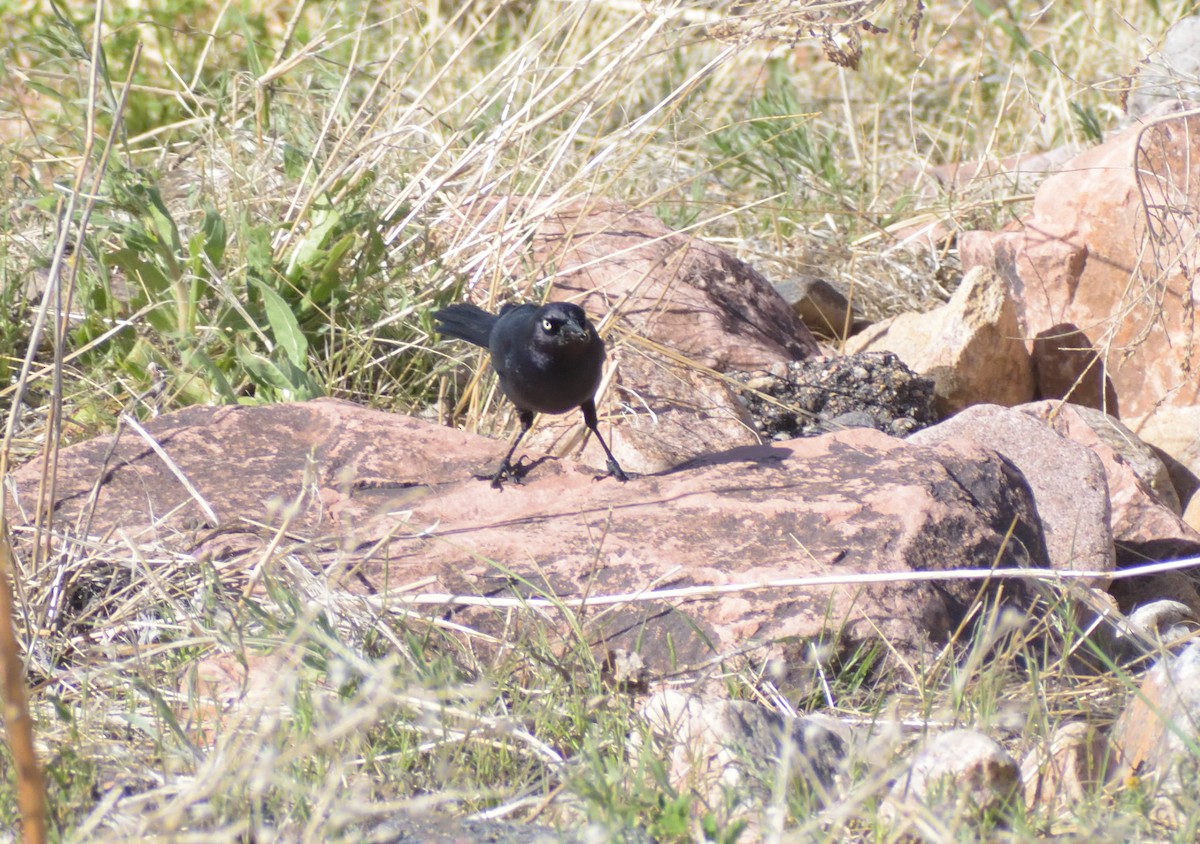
(266, 211)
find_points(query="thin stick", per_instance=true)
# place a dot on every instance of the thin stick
(209, 513)
(31, 787)
(863, 579)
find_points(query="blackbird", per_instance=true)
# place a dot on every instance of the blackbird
(548, 359)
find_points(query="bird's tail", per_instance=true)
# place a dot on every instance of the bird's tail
(466, 322)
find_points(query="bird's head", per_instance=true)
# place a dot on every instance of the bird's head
(562, 324)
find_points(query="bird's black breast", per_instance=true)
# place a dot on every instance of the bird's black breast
(542, 373)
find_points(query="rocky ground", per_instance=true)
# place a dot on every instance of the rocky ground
(810, 491)
(786, 492)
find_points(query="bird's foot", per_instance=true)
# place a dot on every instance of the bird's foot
(513, 472)
(614, 471)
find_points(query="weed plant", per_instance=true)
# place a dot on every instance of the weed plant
(237, 203)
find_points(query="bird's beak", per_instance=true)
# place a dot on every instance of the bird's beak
(571, 331)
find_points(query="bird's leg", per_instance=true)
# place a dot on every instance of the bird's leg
(506, 468)
(589, 419)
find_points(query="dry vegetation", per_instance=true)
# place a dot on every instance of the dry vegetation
(243, 203)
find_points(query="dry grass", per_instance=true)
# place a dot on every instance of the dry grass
(312, 169)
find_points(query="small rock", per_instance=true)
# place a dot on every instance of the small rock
(1163, 620)
(712, 745)
(1191, 515)
(823, 308)
(870, 390)
(414, 827)
(1156, 733)
(855, 419)
(960, 773)
(1068, 768)
(971, 347)
(1171, 73)
(1067, 480)
(1172, 433)
(220, 681)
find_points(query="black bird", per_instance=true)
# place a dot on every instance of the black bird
(549, 359)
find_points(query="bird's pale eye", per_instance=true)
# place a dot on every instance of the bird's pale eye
(547, 325)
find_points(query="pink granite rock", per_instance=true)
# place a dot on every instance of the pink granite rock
(1067, 480)
(972, 347)
(1104, 265)
(389, 506)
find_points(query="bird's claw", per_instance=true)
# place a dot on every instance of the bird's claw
(515, 473)
(614, 471)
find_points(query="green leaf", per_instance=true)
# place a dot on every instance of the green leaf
(215, 235)
(301, 386)
(44, 90)
(256, 251)
(330, 278)
(277, 379)
(311, 246)
(164, 225)
(195, 250)
(284, 327)
(295, 161)
(62, 710)
(164, 713)
(147, 276)
(262, 370)
(197, 360)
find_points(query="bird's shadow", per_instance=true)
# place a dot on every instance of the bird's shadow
(760, 455)
(519, 469)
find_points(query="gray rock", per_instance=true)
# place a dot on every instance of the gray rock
(711, 745)
(822, 306)
(1155, 736)
(1170, 73)
(406, 828)
(1067, 479)
(1164, 620)
(818, 395)
(959, 774)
